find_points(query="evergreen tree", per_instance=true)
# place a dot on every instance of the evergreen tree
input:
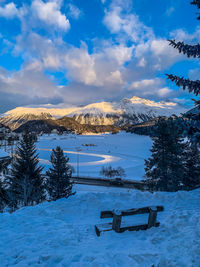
(192, 86)
(165, 167)
(58, 181)
(25, 183)
(192, 166)
(3, 196)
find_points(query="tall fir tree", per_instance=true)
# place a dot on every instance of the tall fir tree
(192, 86)
(26, 183)
(192, 166)
(58, 177)
(3, 196)
(164, 168)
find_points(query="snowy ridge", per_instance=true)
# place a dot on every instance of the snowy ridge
(131, 110)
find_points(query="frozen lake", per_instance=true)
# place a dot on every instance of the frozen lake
(91, 152)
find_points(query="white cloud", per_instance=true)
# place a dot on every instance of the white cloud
(106, 68)
(74, 11)
(182, 35)
(150, 87)
(80, 66)
(113, 20)
(50, 13)
(149, 54)
(29, 85)
(9, 11)
(120, 53)
(164, 92)
(119, 22)
(156, 55)
(142, 62)
(164, 54)
(52, 61)
(146, 83)
(127, 63)
(115, 77)
(47, 51)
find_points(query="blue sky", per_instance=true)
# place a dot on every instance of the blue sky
(74, 52)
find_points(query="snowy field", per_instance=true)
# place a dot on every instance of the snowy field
(62, 233)
(94, 151)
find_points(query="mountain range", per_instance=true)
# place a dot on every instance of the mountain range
(127, 111)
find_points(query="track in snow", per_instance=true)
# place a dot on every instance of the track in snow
(105, 158)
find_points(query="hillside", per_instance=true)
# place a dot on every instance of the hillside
(64, 124)
(16, 120)
(38, 126)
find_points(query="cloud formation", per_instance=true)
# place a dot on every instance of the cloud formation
(126, 24)
(49, 13)
(127, 61)
(9, 11)
(74, 11)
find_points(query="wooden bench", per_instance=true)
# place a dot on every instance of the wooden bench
(117, 218)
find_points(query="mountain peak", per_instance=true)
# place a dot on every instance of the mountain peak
(129, 110)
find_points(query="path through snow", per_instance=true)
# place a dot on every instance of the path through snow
(106, 159)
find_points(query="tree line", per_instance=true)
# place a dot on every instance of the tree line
(26, 185)
(175, 161)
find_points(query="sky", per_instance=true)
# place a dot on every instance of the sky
(75, 52)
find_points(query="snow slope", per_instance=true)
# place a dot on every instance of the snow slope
(131, 110)
(62, 233)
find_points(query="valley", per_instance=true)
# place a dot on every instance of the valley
(120, 150)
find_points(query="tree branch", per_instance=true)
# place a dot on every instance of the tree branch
(192, 86)
(189, 50)
(196, 3)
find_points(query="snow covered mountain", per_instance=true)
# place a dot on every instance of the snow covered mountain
(14, 120)
(133, 110)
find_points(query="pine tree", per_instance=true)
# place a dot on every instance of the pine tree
(165, 167)
(58, 177)
(25, 183)
(3, 196)
(192, 86)
(192, 166)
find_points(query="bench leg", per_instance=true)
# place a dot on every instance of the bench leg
(97, 231)
(116, 222)
(152, 218)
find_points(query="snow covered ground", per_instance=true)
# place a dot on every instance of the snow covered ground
(62, 233)
(94, 151)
